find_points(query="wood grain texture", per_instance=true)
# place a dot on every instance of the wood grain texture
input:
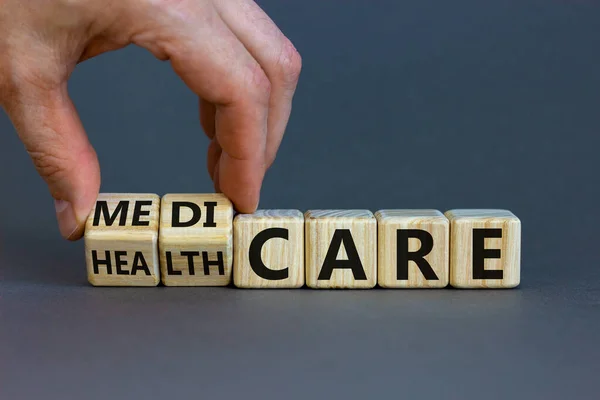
(132, 250)
(277, 253)
(462, 224)
(184, 250)
(430, 221)
(320, 227)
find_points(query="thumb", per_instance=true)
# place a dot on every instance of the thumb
(49, 126)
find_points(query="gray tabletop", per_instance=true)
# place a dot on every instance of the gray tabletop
(433, 104)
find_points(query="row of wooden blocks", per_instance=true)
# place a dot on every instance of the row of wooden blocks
(195, 240)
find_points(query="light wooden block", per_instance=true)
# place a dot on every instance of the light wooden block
(269, 249)
(485, 249)
(195, 240)
(341, 249)
(413, 249)
(120, 238)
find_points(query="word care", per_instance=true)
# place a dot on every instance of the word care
(195, 240)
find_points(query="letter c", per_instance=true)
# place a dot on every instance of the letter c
(256, 262)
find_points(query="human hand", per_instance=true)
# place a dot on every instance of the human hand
(230, 53)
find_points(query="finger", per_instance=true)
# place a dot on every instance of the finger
(51, 130)
(219, 69)
(276, 55)
(236, 170)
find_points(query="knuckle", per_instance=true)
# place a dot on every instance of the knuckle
(28, 76)
(25, 81)
(289, 64)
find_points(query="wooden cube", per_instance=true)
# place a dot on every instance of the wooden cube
(413, 249)
(269, 249)
(485, 249)
(341, 249)
(120, 238)
(195, 240)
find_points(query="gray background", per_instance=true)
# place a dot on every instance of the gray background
(401, 105)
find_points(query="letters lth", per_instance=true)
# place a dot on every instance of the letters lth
(195, 240)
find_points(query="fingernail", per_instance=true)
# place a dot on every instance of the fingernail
(67, 223)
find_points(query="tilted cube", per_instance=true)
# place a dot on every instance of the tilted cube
(121, 240)
(195, 240)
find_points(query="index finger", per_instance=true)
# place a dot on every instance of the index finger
(241, 130)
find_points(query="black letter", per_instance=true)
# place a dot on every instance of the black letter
(120, 262)
(137, 213)
(196, 213)
(404, 256)
(353, 261)
(97, 262)
(190, 255)
(256, 262)
(210, 214)
(170, 270)
(480, 253)
(207, 263)
(139, 263)
(102, 207)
